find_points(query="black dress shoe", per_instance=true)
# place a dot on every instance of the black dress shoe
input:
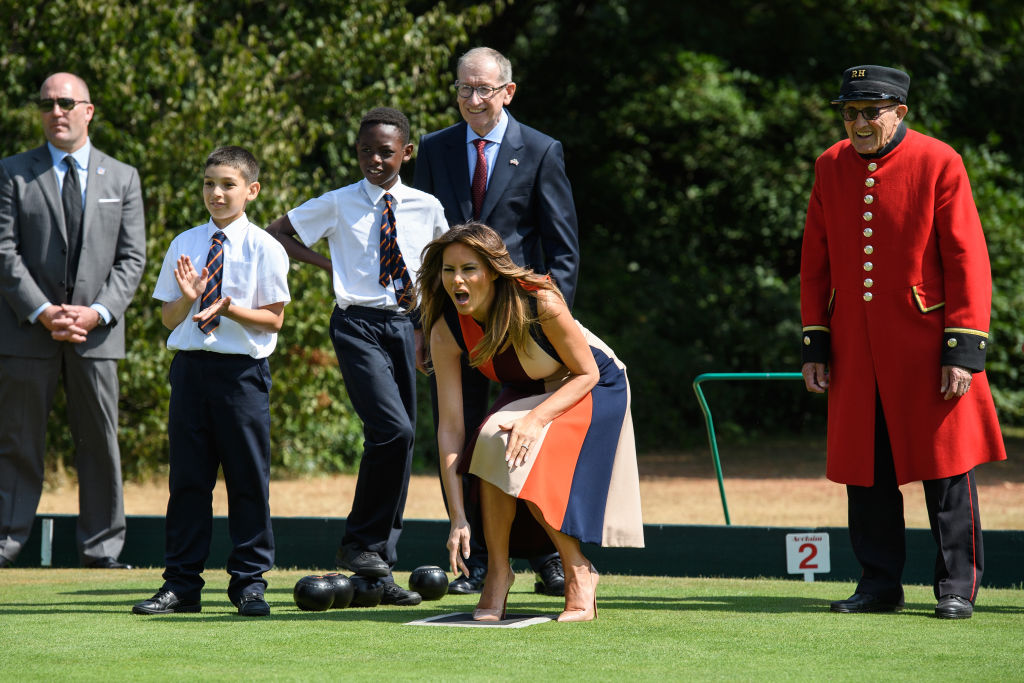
(474, 583)
(396, 595)
(253, 605)
(365, 562)
(864, 602)
(108, 563)
(954, 607)
(552, 578)
(165, 602)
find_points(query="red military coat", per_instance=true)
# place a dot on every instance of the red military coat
(895, 283)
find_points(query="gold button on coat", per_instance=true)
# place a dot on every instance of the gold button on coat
(868, 216)
(807, 340)
(981, 345)
(868, 199)
(868, 265)
(867, 296)
(869, 249)
(951, 343)
(868, 282)
(872, 166)
(870, 182)
(868, 232)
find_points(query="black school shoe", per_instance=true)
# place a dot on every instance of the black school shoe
(166, 602)
(551, 578)
(464, 585)
(253, 605)
(396, 595)
(363, 562)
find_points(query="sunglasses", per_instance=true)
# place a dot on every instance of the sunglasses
(65, 103)
(869, 113)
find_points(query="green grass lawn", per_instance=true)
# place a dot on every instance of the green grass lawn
(64, 624)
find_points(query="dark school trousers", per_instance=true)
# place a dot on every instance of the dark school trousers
(877, 528)
(219, 416)
(476, 400)
(377, 356)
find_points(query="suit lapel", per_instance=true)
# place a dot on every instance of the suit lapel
(96, 180)
(42, 168)
(458, 171)
(505, 167)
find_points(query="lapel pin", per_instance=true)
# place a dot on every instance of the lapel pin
(514, 162)
(100, 170)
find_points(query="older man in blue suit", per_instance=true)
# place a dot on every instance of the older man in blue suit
(72, 252)
(495, 170)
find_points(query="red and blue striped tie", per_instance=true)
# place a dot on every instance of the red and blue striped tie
(215, 268)
(392, 265)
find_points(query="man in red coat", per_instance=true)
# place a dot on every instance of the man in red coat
(895, 297)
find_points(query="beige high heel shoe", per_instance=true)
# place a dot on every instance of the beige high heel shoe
(495, 614)
(586, 613)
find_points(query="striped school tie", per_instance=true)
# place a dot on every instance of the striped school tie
(392, 265)
(215, 268)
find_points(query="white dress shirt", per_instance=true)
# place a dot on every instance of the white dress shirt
(349, 219)
(255, 275)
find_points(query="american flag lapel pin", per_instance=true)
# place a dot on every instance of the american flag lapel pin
(514, 162)
(101, 171)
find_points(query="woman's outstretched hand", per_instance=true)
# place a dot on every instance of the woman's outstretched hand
(458, 546)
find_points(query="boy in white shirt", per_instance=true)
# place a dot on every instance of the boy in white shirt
(224, 322)
(375, 229)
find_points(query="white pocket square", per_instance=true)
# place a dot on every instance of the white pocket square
(108, 200)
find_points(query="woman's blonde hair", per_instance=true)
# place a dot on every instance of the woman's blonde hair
(510, 316)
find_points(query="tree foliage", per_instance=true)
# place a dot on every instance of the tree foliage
(690, 132)
(289, 80)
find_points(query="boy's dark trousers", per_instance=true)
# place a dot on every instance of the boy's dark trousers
(219, 416)
(377, 355)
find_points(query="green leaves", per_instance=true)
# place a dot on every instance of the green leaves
(288, 80)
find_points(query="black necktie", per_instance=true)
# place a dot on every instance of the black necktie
(215, 269)
(392, 265)
(71, 198)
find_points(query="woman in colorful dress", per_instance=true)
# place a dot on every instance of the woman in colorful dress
(556, 452)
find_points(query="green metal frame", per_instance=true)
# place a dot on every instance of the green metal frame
(709, 423)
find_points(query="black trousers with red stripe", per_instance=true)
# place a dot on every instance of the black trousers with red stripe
(878, 530)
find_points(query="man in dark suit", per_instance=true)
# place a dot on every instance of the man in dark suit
(495, 170)
(72, 252)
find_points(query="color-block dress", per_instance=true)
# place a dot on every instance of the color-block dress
(582, 473)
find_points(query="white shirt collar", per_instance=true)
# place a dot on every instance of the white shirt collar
(375, 193)
(232, 231)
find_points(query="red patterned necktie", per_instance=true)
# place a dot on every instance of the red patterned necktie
(392, 265)
(479, 186)
(215, 268)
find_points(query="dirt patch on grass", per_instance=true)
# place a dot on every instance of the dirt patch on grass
(780, 483)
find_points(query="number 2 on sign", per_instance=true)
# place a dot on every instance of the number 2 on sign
(808, 554)
(812, 552)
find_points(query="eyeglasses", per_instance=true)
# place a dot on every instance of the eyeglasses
(484, 92)
(65, 103)
(869, 113)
